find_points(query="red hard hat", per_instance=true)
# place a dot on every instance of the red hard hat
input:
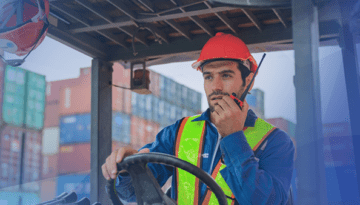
(225, 46)
(20, 37)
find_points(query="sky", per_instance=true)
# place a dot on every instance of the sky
(57, 62)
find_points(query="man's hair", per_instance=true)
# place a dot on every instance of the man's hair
(244, 72)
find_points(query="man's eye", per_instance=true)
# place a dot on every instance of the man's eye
(225, 76)
(207, 77)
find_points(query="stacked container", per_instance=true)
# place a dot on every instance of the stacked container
(10, 158)
(256, 102)
(22, 101)
(136, 120)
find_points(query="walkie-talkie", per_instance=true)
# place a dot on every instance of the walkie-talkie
(240, 101)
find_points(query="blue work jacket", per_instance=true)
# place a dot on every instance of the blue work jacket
(263, 177)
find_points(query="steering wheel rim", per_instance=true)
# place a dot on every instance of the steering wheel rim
(160, 158)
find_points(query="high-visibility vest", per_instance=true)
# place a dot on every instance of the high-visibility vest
(189, 147)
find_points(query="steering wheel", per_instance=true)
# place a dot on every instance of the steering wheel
(147, 190)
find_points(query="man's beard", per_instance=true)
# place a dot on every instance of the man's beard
(212, 107)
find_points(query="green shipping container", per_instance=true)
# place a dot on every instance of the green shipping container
(291, 129)
(24, 91)
(35, 107)
(14, 95)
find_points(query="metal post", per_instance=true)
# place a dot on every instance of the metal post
(23, 138)
(310, 161)
(101, 114)
(351, 71)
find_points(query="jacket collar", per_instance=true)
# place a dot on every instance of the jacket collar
(249, 122)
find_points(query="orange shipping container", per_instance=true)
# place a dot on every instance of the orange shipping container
(127, 102)
(117, 99)
(138, 132)
(154, 83)
(75, 100)
(121, 76)
(76, 158)
(53, 90)
(151, 131)
(48, 189)
(49, 166)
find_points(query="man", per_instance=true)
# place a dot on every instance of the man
(250, 159)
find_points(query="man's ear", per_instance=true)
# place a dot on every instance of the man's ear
(248, 80)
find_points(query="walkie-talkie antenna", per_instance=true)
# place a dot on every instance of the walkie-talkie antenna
(242, 98)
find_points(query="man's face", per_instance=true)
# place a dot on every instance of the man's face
(222, 78)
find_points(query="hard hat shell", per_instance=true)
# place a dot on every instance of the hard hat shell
(21, 37)
(225, 46)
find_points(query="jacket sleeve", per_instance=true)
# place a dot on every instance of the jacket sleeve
(258, 181)
(164, 143)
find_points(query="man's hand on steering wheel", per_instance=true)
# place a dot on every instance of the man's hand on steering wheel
(109, 168)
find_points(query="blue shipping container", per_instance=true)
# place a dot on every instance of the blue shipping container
(121, 127)
(148, 107)
(77, 128)
(183, 95)
(155, 109)
(163, 84)
(79, 183)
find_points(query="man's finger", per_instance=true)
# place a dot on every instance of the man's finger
(224, 105)
(111, 166)
(146, 150)
(105, 172)
(230, 102)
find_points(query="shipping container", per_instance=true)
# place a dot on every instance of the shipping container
(163, 85)
(79, 183)
(151, 130)
(48, 189)
(51, 140)
(118, 99)
(121, 76)
(279, 122)
(166, 116)
(178, 113)
(10, 156)
(74, 158)
(2, 73)
(155, 109)
(33, 158)
(148, 107)
(11, 198)
(183, 93)
(53, 96)
(35, 101)
(49, 166)
(121, 127)
(291, 129)
(14, 95)
(172, 111)
(154, 86)
(75, 99)
(170, 90)
(75, 129)
(138, 126)
(127, 102)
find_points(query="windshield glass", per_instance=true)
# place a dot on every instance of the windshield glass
(46, 119)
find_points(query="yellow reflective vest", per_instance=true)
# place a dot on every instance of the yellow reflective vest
(189, 147)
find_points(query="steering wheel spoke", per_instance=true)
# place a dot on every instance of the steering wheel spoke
(147, 190)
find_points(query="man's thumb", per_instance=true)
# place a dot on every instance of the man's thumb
(146, 150)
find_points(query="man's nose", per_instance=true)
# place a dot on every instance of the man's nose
(217, 84)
